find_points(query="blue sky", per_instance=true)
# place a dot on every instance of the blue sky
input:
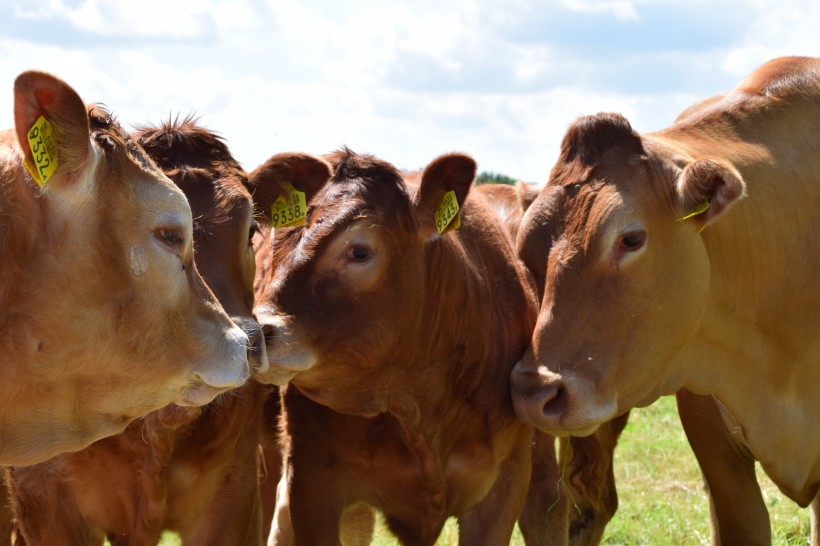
(406, 80)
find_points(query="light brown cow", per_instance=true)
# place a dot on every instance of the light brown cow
(190, 470)
(103, 316)
(398, 343)
(659, 277)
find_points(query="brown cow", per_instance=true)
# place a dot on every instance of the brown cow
(103, 316)
(588, 469)
(655, 282)
(398, 343)
(191, 470)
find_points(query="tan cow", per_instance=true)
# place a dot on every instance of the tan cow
(103, 316)
(659, 277)
(190, 470)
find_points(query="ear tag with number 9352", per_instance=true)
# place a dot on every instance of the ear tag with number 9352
(447, 216)
(290, 209)
(42, 139)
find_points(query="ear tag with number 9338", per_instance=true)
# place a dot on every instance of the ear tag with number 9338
(42, 139)
(447, 216)
(290, 209)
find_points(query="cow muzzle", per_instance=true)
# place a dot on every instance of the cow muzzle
(257, 351)
(225, 369)
(548, 401)
(287, 354)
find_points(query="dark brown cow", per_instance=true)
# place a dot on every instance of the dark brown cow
(397, 342)
(659, 277)
(103, 316)
(191, 470)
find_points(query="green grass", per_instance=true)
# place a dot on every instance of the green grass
(661, 498)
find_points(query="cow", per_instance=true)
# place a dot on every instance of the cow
(103, 315)
(677, 260)
(397, 334)
(190, 470)
(587, 462)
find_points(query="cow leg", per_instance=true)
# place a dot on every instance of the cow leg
(590, 474)
(270, 460)
(309, 502)
(281, 531)
(815, 521)
(491, 521)
(543, 520)
(6, 512)
(234, 518)
(357, 525)
(736, 506)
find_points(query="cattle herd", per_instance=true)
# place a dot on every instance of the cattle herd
(269, 357)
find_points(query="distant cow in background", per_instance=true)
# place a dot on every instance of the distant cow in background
(103, 316)
(397, 337)
(190, 470)
(680, 283)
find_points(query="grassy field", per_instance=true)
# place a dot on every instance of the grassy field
(661, 497)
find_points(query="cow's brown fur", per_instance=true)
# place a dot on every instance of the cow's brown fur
(721, 300)
(190, 470)
(417, 356)
(103, 316)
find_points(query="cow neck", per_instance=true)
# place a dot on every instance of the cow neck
(464, 346)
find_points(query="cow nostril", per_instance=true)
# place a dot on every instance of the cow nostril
(269, 332)
(554, 402)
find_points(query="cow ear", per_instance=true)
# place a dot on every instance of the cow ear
(526, 194)
(706, 189)
(446, 179)
(50, 117)
(275, 177)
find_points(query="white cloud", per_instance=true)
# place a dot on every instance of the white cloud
(623, 10)
(405, 80)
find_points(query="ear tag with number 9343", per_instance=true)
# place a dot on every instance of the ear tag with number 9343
(447, 216)
(290, 209)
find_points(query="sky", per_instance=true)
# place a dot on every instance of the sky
(405, 80)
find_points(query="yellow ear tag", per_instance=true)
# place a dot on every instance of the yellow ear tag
(700, 209)
(42, 139)
(447, 216)
(289, 210)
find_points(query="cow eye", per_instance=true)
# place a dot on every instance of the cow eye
(632, 241)
(170, 236)
(358, 253)
(254, 229)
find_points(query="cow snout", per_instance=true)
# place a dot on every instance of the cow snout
(287, 354)
(227, 368)
(539, 396)
(257, 351)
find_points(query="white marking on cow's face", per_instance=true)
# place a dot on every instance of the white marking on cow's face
(139, 260)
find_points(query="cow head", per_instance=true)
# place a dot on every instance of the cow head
(125, 319)
(199, 162)
(344, 290)
(614, 243)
